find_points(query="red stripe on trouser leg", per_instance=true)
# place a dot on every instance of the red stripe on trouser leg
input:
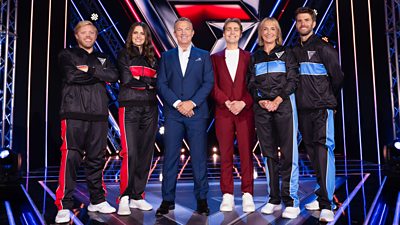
(124, 175)
(61, 179)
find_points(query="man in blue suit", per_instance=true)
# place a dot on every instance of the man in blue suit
(185, 79)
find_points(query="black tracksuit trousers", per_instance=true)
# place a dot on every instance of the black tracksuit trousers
(82, 140)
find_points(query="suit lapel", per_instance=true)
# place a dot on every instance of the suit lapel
(175, 60)
(192, 57)
(223, 62)
(240, 65)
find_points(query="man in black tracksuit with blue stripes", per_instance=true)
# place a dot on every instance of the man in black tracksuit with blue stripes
(320, 83)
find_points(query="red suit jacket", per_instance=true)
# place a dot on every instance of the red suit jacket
(226, 89)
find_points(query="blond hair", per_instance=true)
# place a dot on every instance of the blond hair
(82, 24)
(277, 26)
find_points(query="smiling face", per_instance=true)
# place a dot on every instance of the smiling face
(232, 33)
(86, 37)
(269, 32)
(184, 33)
(138, 36)
(305, 24)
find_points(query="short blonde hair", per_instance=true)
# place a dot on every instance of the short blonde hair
(82, 24)
(276, 24)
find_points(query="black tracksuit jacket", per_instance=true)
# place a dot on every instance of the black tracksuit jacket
(135, 92)
(84, 95)
(320, 75)
(272, 83)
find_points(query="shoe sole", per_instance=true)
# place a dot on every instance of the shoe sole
(135, 207)
(124, 214)
(63, 221)
(289, 217)
(274, 210)
(325, 220)
(249, 211)
(91, 210)
(172, 207)
(203, 213)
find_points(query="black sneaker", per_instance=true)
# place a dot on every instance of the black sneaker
(202, 207)
(165, 207)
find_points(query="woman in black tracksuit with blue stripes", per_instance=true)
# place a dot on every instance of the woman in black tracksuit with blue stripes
(272, 80)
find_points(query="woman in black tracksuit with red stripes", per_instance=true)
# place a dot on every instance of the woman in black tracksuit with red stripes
(138, 116)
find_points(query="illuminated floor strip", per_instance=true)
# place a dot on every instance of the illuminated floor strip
(73, 217)
(397, 212)
(348, 200)
(33, 205)
(371, 209)
(9, 213)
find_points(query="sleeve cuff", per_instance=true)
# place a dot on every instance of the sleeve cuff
(176, 103)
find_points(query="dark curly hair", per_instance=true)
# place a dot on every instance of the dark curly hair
(148, 50)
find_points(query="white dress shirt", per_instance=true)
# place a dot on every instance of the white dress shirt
(183, 61)
(184, 58)
(232, 61)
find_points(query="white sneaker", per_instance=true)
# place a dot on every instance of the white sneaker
(123, 207)
(270, 208)
(326, 215)
(103, 207)
(140, 204)
(291, 212)
(248, 203)
(63, 216)
(314, 205)
(227, 204)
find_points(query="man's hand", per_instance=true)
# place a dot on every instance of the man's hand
(237, 107)
(186, 108)
(83, 68)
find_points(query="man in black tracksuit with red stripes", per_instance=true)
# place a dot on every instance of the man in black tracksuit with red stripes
(320, 83)
(84, 113)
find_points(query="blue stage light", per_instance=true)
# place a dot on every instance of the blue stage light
(4, 153)
(397, 144)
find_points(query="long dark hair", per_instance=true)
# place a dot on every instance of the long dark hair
(147, 51)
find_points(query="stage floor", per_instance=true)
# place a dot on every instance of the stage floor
(363, 194)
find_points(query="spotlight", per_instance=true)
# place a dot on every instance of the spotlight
(10, 164)
(4, 153)
(94, 17)
(182, 150)
(162, 130)
(396, 144)
(214, 149)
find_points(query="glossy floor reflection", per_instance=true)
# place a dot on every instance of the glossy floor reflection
(364, 195)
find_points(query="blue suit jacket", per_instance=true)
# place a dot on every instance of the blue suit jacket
(195, 85)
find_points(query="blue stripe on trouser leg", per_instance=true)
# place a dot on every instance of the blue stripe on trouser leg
(330, 144)
(294, 176)
(267, 176)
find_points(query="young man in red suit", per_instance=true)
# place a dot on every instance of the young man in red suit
(233, 114)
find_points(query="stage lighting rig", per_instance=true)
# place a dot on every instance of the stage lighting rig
(391, 155)
(10, 165)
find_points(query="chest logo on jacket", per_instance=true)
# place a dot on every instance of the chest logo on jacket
(310, 54)
(279, 54)
(102, 60)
